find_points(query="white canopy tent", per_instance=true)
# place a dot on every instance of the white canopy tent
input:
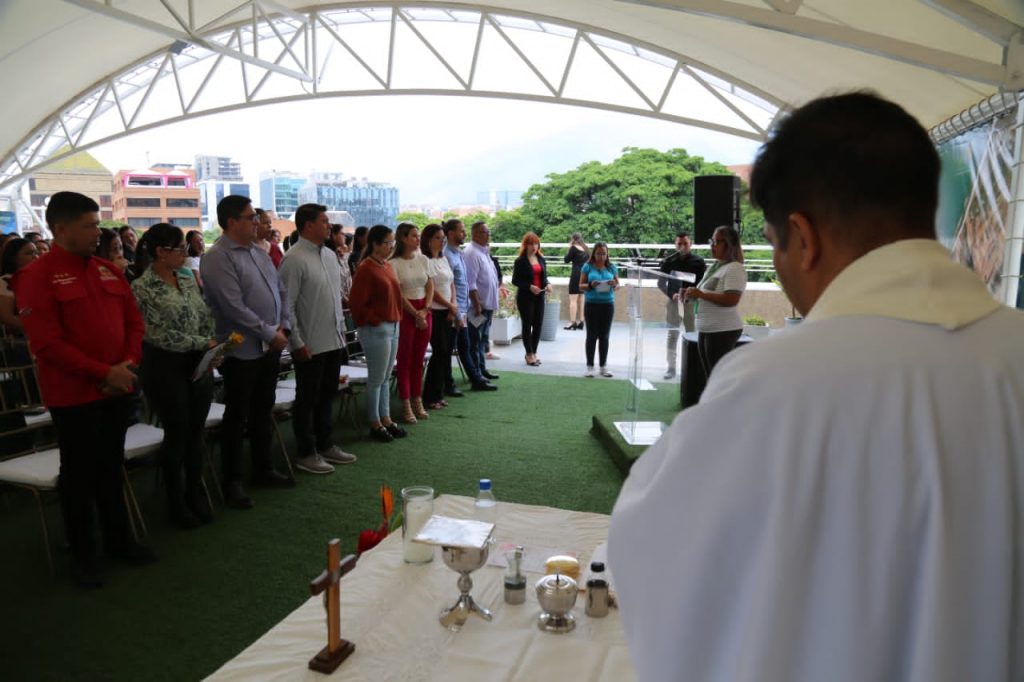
(938, 58)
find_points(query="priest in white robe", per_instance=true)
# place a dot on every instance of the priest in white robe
(846, 502)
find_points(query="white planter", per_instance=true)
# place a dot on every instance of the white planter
(756, 331)
(505, 329)
(549, 330)
(793, 321)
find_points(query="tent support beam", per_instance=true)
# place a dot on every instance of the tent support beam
(845, 36)
(188, 37)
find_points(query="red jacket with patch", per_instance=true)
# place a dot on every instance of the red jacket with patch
(80, 319)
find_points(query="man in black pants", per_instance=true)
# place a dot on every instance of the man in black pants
(86, 332)
(686, 264)
(242, 287)
(312, 275)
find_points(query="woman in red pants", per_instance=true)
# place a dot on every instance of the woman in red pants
(412, 269)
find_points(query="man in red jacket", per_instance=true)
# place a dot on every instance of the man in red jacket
(86, 333)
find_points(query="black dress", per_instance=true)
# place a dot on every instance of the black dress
(577, 257)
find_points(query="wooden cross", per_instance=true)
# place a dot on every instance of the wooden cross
(337, 649)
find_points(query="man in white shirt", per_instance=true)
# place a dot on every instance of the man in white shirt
(312, 277)
(846, 502)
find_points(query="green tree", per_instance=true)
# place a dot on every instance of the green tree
(645, 195)
(417, 218)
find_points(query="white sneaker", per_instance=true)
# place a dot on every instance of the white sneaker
(492, 356)
(336, 455)
(670, 374)
(313, 464)
(605, 372)
(589, 372)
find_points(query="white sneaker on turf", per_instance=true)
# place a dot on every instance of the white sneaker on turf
(605, 372)
(313, 464)
(336, 455)
(589, 372)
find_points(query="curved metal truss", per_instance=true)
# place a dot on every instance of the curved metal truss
(262, 53)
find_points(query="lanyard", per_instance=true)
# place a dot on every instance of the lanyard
(707, 275)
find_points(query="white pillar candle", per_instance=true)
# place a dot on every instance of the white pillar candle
(417, 513)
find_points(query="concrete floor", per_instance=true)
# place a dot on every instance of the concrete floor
(565, 356)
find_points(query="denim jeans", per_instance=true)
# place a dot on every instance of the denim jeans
(380, 345)
(478, 338)
(460, 341)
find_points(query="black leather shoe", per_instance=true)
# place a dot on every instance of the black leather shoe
(488, 375)
(235, 496)
(86, 574)
(182, 517)
(396, 430)
(454, 392)
(272, 478)
(133, 554)
(382, 434)
(199, 506)
(484, 386)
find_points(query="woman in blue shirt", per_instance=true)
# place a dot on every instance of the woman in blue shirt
(599, 280)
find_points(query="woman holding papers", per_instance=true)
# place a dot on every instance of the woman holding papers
(718, 321)
(598, 279)
(179, 330)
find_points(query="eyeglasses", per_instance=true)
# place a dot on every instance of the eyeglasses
(389, 242)
(177, 249)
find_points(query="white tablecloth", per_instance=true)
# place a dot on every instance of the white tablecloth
(390, 609)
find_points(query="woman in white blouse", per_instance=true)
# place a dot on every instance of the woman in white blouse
(444, 311)
(719, 324)
(412, 268)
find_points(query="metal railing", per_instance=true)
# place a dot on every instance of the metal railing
(759, 269)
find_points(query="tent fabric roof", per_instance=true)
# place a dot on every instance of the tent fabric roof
(53, 50)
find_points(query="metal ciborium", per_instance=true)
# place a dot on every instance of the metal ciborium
(465, 545)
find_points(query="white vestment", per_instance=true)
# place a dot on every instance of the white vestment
(846, 502)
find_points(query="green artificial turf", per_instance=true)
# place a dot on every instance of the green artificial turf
(218, 588)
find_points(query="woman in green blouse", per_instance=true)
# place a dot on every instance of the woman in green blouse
(179, 330)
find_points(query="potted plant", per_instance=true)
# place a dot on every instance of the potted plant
(506, 324)
(755, 327)
(792, 319)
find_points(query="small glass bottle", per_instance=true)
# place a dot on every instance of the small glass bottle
(515, 581)
(597, 592)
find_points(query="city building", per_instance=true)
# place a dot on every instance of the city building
(210, 194)
(216, 178)
(500, 199)
(369, 203)
(217, 168)
(279, 192)
(145, 197)
(80, 173)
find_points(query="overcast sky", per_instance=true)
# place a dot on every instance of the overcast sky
(436, 150)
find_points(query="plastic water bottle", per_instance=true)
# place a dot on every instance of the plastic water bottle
(486, 507)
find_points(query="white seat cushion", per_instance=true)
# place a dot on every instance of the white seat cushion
(37, 470)
(357, 374)
(215, 416)
(142, 439)
(284, 400)
(41, 419)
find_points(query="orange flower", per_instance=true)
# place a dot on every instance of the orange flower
(387, 501)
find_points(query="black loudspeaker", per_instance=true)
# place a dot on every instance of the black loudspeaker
(716, 202)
